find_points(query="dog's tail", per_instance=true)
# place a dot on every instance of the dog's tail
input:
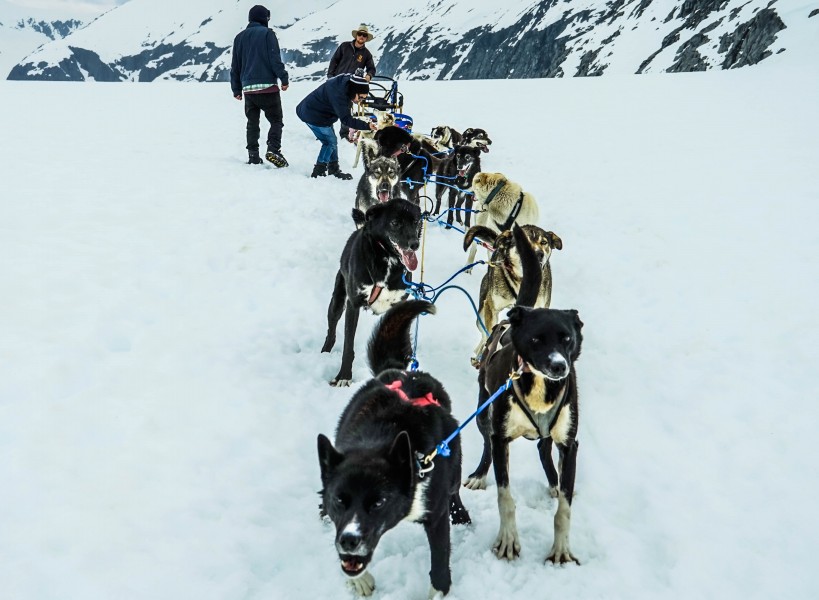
(390, 346)
(481, 232)
(532, 274)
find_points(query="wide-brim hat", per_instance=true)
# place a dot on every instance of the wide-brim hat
(363, 28)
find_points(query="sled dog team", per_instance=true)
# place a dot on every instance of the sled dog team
(383, 466)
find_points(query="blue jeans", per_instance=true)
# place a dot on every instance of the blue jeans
(329, 143)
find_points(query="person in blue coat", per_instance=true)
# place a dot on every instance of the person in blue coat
(254, 72)
(330, 102)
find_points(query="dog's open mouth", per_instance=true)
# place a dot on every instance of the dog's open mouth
(408, 257)
(461, 172)
(353, 566)
(383, 196)
(483, 147)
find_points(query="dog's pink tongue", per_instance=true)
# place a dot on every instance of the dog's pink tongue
(383, 196)
(409, 259)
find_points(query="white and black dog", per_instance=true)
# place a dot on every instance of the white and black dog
(542, 345)
(371, 271)
(445, 136)
(374, 478)
(477, 138)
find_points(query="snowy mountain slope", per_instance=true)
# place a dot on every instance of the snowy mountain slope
(22, 30)
(441, 39)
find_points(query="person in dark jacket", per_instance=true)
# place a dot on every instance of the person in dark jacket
(328, 103)
(349, 57)
(256, 67)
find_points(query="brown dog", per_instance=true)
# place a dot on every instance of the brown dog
(501, 283)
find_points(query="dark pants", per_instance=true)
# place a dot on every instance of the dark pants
(271, 105)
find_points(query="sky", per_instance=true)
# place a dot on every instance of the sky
(163, 306)
(90, 7)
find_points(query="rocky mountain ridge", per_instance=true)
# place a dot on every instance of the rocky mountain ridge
(443, 39)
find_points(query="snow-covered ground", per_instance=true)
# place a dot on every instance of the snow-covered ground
(163, 304)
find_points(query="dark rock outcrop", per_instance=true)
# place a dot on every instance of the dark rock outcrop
(749, 43)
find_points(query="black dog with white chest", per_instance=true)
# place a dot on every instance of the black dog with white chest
(375, 477)
(541, 345)
(458, 171)
(371, 270)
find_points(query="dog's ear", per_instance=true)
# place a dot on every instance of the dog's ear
(517, 314)
(358, 217)
(578, 326)
(369, 151)
(481, 232)
(400, 458)
(468, 131)
(578, 323)
(329, 457)
(554, 240)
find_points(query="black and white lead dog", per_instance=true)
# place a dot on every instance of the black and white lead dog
(372, 479)
(371, 270)
(543, 344)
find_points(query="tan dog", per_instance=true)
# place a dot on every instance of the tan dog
(501, 283)
(502, 203)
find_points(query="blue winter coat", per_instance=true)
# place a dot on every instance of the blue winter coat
(256, 58)
(329, 103)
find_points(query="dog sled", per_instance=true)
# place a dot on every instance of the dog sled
(384, 97)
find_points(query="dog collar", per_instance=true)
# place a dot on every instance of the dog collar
(374, 294)
(494, 193)
(425, 400)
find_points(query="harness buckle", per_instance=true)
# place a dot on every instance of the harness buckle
(425, 460)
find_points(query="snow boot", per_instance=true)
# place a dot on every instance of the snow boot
(277, 158)
(335, 170)
(253, 157)
(319, 170)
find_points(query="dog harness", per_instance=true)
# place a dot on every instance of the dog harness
(512, 215)
(538, 421)
(542, 422)
(425, 400)
(515, 209)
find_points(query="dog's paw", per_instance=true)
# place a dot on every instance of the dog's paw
(435, 594)
(458, 514)
(475, 483)
(340, 382)
(363, 585)
(561, 556)
(553, 491)
(507, 544)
